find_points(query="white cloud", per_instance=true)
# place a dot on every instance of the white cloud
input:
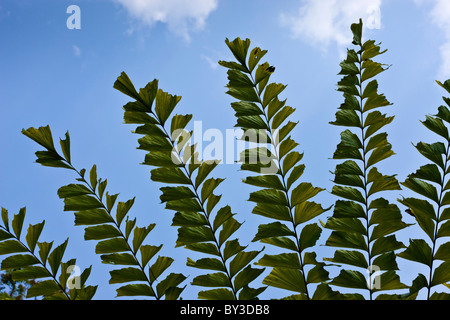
(440, 16)
(181, 16)
(326, 22)
(213, 64)
(323, 23)
(76, 50)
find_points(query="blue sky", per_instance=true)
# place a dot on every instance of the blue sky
(61, 77)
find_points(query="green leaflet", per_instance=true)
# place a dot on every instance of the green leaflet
(245, 276)
(118, 243)
(350, 279)
(170, 286)
(138, 289)
(240, 261)
(363, 229)
(283, 260)
(165, 103)
(192, 194)
(430, 213)
(267, 181)
(307, 211)
(419, 251)
(11, 246)
(17, 222)
(269, 196)
(19, 261)
(55, 257)
(303, 192)
(50, 158)
(274, 229)
(286, 278)
(349, 257)
(46, 265)
(44, 288)
(280, 197)
(216, 294)
(30, 272)
(129, 274)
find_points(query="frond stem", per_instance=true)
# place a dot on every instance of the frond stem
(366, 197)
(283, 180)
(104, 207)
(437, 218)
(41, 263)
(202, 205)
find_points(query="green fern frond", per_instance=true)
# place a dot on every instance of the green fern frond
(26, 263)
(263, 118)
(201, 228)
(362, 224)
(432, 213)
(120, 241)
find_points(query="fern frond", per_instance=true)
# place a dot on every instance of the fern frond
(263, 118)
(431, 212)
(26, 263)
(200, 227)
(120, 241)
(362, 224)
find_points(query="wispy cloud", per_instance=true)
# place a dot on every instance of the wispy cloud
(213, 64)
(326, 22)
(440, 16)
(182, 17)
(76, 50)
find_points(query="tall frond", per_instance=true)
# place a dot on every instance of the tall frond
(26, 263)
(364, 224)
(120, 241)
(272, 154)
(431, 211)
(201, 227)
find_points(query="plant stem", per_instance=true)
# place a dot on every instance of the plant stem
(437, 218)
(363, 138)
(202, 205)
(41, 263)
(118, 228)
(283, 180)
